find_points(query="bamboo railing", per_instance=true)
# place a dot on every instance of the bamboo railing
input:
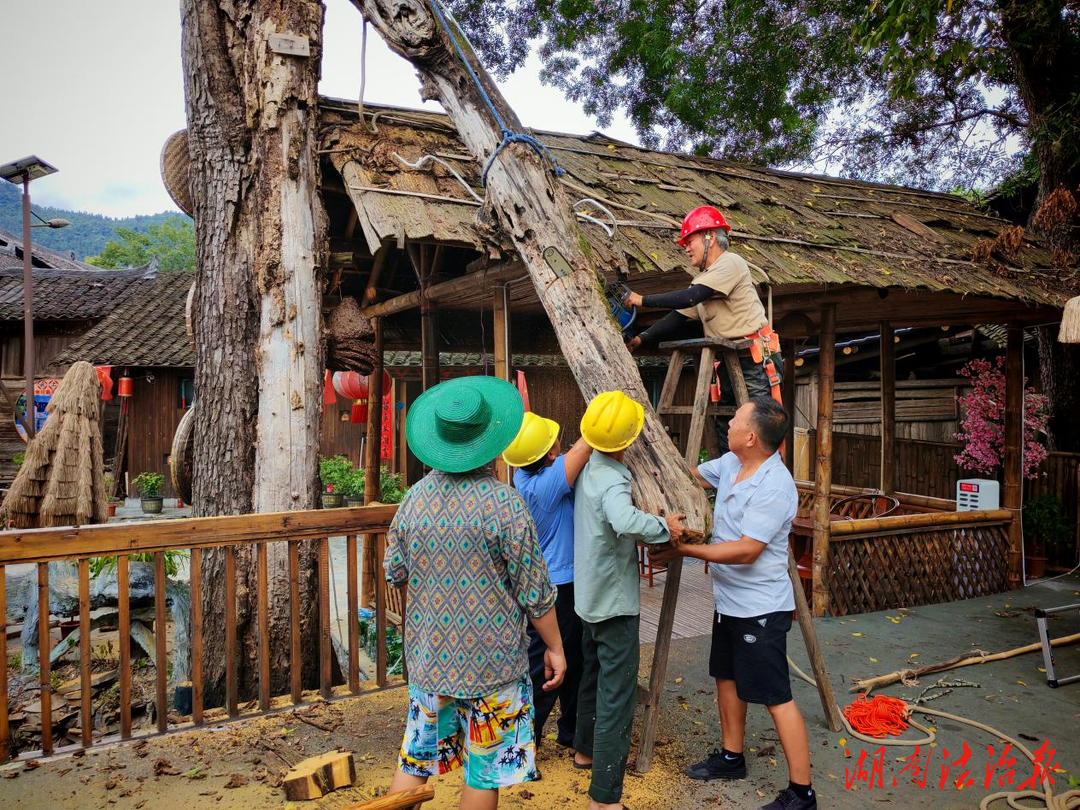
(79, 544)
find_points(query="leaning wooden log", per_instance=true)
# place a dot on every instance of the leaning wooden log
(314, 777)
(962, 660)
(527, 203)
(401, 800)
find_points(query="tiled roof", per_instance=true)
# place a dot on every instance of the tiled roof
(795, 230)
(67, 295)
(146, 329)
(11, 248)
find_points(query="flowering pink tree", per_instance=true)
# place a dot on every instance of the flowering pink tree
(982, 430)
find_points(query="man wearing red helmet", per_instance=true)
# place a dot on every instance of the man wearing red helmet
(722, 297)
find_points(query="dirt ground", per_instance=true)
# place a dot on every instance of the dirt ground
(240, 765)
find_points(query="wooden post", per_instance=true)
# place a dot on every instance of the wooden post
(888, 409)
(823, 458)
(372, 462)
(1014, 436)
(790, 355)
(813, 649)
(429, 345)
(501, 316)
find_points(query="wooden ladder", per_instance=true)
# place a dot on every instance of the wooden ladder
(699, 413)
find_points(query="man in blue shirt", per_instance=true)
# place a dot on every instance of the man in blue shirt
(545, 480)
(756, 500)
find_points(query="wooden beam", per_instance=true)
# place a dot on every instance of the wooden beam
(372, 463)
(1014, 436)
(473, 282)
(888, 407)
(790, 352)
(823, 463)
(501, 316)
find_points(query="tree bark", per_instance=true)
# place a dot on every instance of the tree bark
(260, 230)
(532, 207)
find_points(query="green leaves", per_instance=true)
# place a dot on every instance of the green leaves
(171, 242)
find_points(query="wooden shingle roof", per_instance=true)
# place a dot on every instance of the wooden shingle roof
(797, 231)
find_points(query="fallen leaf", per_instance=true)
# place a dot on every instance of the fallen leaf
(195, 773)
(162, 767)
(31, 765)
(236, 780)
(913, 655)
(1020, 682)
(1041, 669)
(679, 680)
(843, 741)
(873, 661)
(856, 634)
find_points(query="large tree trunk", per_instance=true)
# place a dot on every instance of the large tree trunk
(1045, 54)
(260, 230)
(530, 205)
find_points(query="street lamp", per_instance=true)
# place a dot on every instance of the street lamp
(23, 171)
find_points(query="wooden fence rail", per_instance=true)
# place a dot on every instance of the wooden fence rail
(79, 544)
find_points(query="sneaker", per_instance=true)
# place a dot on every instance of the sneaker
(717, 766)
(789, 800)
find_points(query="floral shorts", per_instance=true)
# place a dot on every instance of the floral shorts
(490, 737)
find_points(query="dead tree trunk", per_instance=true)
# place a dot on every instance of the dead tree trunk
(530, 205)
(260, 230)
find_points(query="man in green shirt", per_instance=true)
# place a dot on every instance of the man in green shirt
(607, 528)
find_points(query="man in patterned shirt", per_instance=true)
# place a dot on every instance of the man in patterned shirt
(465, 545)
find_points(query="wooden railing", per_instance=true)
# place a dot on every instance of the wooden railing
(916, 559)
(42, 546)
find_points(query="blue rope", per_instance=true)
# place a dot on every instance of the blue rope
(508, 135)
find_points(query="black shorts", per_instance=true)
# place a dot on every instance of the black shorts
(753, 653)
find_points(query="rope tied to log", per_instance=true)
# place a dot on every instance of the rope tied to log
(508, 135)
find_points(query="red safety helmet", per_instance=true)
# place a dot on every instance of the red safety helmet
(702, 218)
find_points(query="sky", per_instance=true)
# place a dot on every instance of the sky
(95, 88)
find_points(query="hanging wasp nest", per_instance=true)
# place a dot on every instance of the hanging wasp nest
(61, 482)
(350, 339)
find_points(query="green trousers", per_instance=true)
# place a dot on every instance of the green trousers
(606, 702)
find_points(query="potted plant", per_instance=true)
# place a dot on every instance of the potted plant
(149, 486)
(334, 474)
(354, 491)
(112, 502)
(1045, 528)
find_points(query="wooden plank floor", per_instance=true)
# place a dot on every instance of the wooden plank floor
(694, 610)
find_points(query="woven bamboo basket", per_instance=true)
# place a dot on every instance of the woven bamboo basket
(175, 170)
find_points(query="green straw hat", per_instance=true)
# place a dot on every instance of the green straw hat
(464, 423)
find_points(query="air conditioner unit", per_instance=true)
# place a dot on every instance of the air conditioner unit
(977, 493)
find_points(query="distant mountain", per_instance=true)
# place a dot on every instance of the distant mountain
(87, 233)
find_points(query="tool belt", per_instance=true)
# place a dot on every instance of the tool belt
(765, 343)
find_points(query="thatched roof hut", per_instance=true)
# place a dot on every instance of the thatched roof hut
(61, 482)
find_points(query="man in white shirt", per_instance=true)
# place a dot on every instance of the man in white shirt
(756, 500)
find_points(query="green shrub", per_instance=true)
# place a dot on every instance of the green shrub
(149, 484)
(335, 473)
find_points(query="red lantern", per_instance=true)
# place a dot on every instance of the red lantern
(359, 412)
(350, 384)
(125, 388)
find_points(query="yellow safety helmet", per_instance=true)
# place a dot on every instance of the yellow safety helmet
(534, 439)
(612, 422)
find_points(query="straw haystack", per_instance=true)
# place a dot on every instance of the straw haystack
(61, 482)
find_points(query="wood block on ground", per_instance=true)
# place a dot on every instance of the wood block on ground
(314, 777)
(413, 797)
